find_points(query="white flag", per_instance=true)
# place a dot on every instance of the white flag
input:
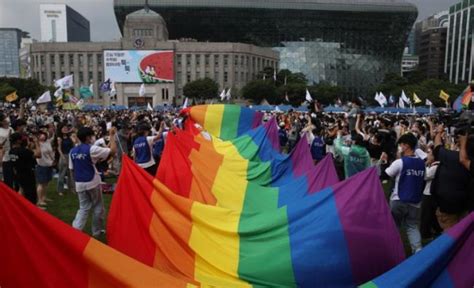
(277, 109)
(30, 102)
(91, 87)
(58, 93)
(227, 95)
(142, 90)
(286, 97)
(428, 103)
(185, 104)
(148, 107)
(378, 98)
(45, 98)
(222, 95)
(308, 96)
(401, 104)
(383, 99)
(66, 82)
(405, 98)
(112, 91)
(274, 75)
(80, 103)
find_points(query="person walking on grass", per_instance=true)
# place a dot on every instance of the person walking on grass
(409, 174)
(44, 169)
(82, 161)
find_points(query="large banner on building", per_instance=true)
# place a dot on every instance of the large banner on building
(139, 66)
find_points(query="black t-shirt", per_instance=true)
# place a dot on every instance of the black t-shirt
(451, 186)
(24, 163)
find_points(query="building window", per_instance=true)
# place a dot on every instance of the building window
(236, 60)
(179, 59)
(71, 59)
(89, 59)
(91, 76)
(188, 59)
(81, 77)
(188, 77)
(99, 60)
(226, 60)
(226, 77)
(53, 75)
(179, 75)
(207, 57)
(61, 59)
(198, 60)
(142, 32)
(99, 75)
(52, 60)
(42, 60)
(81, 59)
(216, 60)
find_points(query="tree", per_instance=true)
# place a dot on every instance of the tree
(201, 89)
(25, 88)
(295, 92)
(326, 93)
(258, 90)
(415, 82)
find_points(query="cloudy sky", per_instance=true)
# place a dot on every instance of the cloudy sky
(24, 14)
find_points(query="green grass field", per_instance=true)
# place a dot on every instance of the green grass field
(65, 208)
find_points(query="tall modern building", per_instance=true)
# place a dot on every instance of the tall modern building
(430, 41)
(459, 46)
(61, 23)
(352, 43)
(10, 40)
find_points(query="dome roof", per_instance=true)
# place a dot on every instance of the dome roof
(144, 13)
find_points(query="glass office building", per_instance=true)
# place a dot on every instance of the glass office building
(352, 43)
(10, 39)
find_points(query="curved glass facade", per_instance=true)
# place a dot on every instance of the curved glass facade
(352, 43)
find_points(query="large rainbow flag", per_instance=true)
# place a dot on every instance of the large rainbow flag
(199, 169)
(328, 238)
(446, 262)
(38, 250)
(224, 121)
(463, 101)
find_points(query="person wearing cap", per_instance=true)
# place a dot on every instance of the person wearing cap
(143, 147)
(356, 157)
(23, 163)
(82, 159)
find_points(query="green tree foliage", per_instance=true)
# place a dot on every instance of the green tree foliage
(258, 90)
(201, 89)
(25, 88)
(415, 82)
(326, 93)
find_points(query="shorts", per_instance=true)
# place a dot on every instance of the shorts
(44, 174)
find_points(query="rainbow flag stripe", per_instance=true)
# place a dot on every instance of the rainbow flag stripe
(447, 262)
(38, 250)
(224, 121)
(207, 164)
(320, 240)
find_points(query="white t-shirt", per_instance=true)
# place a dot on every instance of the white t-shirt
(5, 140)
(429, 176)
(97, 154)
(47, 154)
(150, 140)
(395, 170)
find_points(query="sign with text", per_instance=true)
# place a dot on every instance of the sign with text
(139, 66)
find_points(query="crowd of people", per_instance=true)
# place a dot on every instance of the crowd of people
(425, 161)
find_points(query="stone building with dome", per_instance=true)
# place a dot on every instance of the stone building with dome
(145, 54)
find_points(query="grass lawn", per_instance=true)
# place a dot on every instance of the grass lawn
(65, 208)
